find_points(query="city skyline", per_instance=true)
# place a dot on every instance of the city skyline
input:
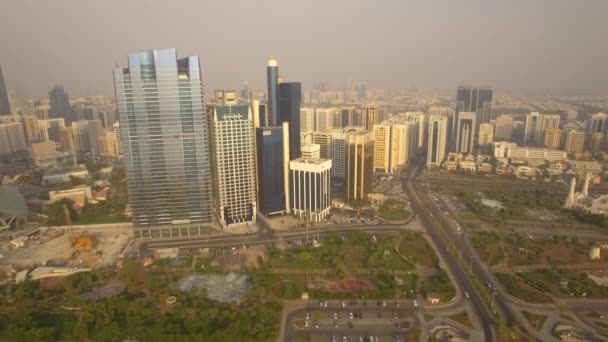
(529, 49)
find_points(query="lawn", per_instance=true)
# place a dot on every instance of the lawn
(536, 320)
(394, 214)
(579, 284)
(518, 288)
(416, 250)
(468, 216)
(439, 284)
(486, 245)
(462, 318)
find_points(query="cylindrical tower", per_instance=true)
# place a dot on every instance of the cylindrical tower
(272, 75)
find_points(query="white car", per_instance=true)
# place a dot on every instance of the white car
(335, 315)
(343, 304)
(415, 303)
(466, 294)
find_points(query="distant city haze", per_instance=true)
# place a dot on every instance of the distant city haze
(555, 46)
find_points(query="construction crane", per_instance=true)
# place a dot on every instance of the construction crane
(68, 222)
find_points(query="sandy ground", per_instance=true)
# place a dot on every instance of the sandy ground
(110, 244)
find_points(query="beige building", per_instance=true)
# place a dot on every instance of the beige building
(369, 116)
(67, 140)
(575, 142)
(486, 134)
(552, 138)
(107, 144)
(391, 147)
(79, 195)
(504, 127)
(596, 142)
(32, 130)
(43, 149)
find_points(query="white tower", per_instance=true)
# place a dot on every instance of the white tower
(586, 185)
(570, 199)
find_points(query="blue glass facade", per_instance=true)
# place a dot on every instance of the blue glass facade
(272, 77)
(270, 170)
(5, 108)
(290, 97)
(165, 138)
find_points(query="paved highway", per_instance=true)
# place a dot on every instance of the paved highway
(418, 200)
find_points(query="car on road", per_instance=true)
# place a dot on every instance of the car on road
(333, 338)
(350, 315)
(397, 304)
(316, 324)
(335, 315)
(489, 285)
(466, 294)
(305, 324)
(344, 338)
(383, 303)
(395, 315)
(343, 304)
(307, 314)
(336, 324)
(415, 303)
(360, 315)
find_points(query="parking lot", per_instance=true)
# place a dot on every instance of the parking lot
(353, 321)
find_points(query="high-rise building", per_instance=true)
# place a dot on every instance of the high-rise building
(550, 121)
(12, 138)
(273, 156)
(369, 116)
(533, 128)
(118, 139)
(5, 107)
(311, 151)
(49, 129)
(596, 123)
(234, 153)
(307, 120)
(106, 143)
(66, 138)
(575, 142)
(504, 127)
(323, 119)
(437, 140)
(225, 97)
(486, 134)
(42, 112)
(391, 147)
(165, 136)
(60, 105)
(348, 116)
(338, 154)
(597, 142)
(86, 136)
(465, 132)
(272, 76)
(478, 100)
(310, 187)
(324, 140)
(553, 138)
(32, 129)
(290, 97)
(359, 164)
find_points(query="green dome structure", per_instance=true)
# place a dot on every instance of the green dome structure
(12, 206)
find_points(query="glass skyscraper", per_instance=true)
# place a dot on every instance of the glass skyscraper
(290, 97)
(272, 77)
(5, 108)
(165, 138)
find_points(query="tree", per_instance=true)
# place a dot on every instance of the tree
(56, 215)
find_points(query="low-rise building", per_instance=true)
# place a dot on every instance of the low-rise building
(78, 194)
(62, 175)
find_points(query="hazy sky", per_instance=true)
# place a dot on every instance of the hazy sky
(511, 44)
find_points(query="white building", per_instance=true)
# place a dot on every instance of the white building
(391, 147)
(437, 140)
(486, 134)
(310, 183)
(307, 120)
(12, 138)
(233, 147)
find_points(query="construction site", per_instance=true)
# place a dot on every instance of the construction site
(89, 247)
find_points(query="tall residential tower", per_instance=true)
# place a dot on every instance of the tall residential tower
(165, 137)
